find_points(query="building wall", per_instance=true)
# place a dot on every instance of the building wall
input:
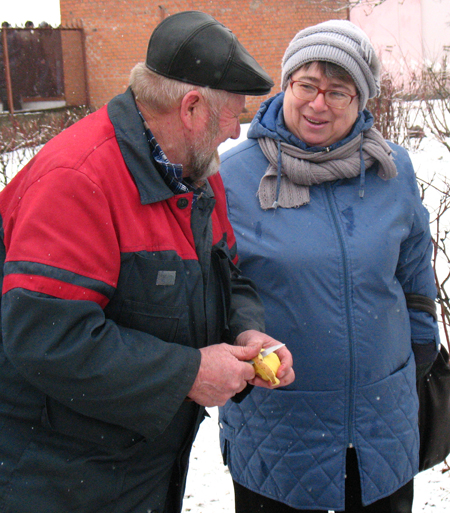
(117, 34)
(406, 33)
(436, 29)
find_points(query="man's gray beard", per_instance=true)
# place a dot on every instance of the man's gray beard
(203, 164)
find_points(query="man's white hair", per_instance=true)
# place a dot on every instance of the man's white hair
(161, 94)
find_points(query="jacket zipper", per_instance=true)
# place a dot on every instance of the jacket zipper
(347, 291)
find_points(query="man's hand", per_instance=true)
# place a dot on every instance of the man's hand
(224, 370)
(223, 373)
(285, 373)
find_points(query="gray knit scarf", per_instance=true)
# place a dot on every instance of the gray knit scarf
(300, 169)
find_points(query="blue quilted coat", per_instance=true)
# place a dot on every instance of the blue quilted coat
(332, 275)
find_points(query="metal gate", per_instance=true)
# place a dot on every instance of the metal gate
(42, 68)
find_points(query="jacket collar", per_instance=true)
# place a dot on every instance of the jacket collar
(133, 144)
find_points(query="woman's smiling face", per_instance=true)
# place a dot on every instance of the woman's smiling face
(314, 122)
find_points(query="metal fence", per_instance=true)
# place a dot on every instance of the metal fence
(42, 68)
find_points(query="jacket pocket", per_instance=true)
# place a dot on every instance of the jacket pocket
(164, 322)
(387, 417)
(151, 297)
(62, 419)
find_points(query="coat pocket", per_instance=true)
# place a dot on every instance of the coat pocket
(61, 419)
(152, 297)
(164, 322)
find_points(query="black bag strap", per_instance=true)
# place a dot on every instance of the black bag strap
(423, 303)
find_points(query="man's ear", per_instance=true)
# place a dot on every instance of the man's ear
(191, 109)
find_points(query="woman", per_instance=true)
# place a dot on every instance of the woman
(331, 227)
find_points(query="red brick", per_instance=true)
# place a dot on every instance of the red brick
(117, 34)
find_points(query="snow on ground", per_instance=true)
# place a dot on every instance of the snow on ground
(209, 487)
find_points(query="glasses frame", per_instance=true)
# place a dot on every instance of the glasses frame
(322, 91)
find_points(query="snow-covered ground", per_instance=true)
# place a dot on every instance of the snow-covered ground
(209, 487)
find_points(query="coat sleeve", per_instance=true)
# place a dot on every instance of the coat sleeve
(62, 266)
(414, 269)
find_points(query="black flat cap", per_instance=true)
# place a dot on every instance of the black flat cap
(195, 48)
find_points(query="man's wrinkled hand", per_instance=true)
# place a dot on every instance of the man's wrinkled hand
(223, 373)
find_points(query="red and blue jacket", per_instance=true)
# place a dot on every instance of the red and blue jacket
(111, 283)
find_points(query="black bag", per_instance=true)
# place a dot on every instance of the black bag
(434, 412)
(433, 390)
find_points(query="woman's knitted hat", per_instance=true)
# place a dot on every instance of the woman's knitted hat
(342, 43)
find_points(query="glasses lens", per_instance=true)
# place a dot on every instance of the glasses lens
(308, 92)
(304, 91)
(337, 99)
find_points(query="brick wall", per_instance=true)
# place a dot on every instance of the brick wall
(117, 34)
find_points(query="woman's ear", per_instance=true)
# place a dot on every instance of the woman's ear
(192, 109)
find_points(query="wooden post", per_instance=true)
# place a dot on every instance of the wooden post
(7, 71)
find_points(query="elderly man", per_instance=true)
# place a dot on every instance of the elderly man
(119, 285)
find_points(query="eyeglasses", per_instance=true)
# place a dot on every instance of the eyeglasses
(309, 92)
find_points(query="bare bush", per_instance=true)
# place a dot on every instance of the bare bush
(406, 117)
(435, 100)
(434, 92)
(21, 137)
(436, 196)
(398, 114)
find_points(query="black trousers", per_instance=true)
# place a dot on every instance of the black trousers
(399, 502)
